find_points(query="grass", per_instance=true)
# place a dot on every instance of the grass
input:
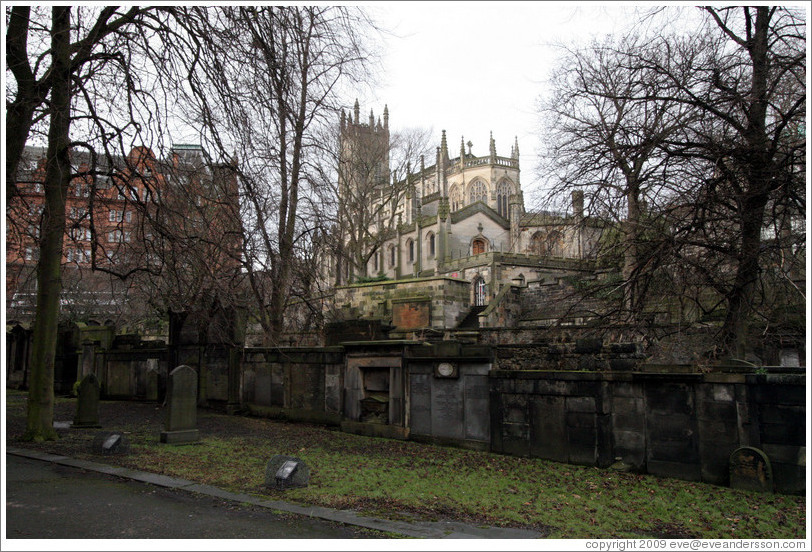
(408, 480)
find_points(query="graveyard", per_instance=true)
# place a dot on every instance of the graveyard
(409, 480)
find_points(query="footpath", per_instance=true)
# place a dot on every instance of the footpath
(398, 529)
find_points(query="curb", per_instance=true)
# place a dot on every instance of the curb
(417, 530)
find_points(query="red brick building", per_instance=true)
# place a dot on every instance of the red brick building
(136, 215)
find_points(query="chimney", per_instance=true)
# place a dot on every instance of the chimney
(578, 204)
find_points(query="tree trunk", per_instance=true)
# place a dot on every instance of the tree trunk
(631, 238)
(20, 113)
(49, 267)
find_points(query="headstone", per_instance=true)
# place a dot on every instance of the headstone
(87, 403)
(750, 470)
(110, 443)
(153, 377)
(181, 412)
(88, 358)
(286, 472)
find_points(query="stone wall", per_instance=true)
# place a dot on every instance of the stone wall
(675, 425)
(449, 297)
(449, 394)
(585, 354)
(304, 384)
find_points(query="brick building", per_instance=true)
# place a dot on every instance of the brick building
(126, 216)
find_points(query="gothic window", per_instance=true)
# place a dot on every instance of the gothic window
(477, 191)
(430, 239)
(410, 245)
(547, 244)
(392, 256)
(502, 197)
(480, 291)
(454, 197)
(478, 246)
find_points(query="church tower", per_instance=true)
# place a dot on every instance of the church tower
(363, 150)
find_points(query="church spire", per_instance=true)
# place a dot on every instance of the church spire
(444, 147)
(386, 117)
(493, 148)
(515, 154)
(357, 111)
(462, 148)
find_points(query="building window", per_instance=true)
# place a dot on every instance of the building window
(454, 196)
(480, 291)
(410, 245)
(502, 197)
(478, 246)
(392, 256)
(478, 192)
(431, 245)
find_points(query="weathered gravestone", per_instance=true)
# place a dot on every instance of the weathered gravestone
(152, 381)
(110, 443)
(181, 411)
(750, 470)
(285, 472)
(87, 403)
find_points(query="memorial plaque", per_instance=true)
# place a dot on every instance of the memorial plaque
(110, 443)
(286, 472)
(750, 470)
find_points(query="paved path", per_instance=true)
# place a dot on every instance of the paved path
(55, 497)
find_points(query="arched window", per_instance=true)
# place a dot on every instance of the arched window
(454, 198)
(478, 246)
(410, 246)
(477, 191)
(392, 256)
(502, 196)
(430, 239)
(547, 244)
(480, 292)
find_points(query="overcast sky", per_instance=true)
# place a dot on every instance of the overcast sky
(474, 67)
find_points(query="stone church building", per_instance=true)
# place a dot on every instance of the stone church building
(449, 239)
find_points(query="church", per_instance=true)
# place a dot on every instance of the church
(460, 223)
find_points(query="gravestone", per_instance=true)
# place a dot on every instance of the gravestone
(87, 403)
(286, 472)
(181, 409)
(110, 443)
(152, 380)
(750, 470)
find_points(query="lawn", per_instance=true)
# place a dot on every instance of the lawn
(408, 480)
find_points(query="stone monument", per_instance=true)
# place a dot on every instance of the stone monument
(87, 403)
(181, 410)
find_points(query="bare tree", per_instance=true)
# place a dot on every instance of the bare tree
(370, 199)
(264, 83)
(732, 94)
(607, 137)
(77, 71)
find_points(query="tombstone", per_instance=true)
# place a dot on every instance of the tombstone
(110, 443)
(181, 410)
(88, 358)
(87, 403)
(286, 472)
(750, 470)
(153, 378)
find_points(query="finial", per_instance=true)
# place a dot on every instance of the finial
(462, 147)
(516, 148)
(357, 110)
(385, 117)
(343, 117)
(371, 119)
